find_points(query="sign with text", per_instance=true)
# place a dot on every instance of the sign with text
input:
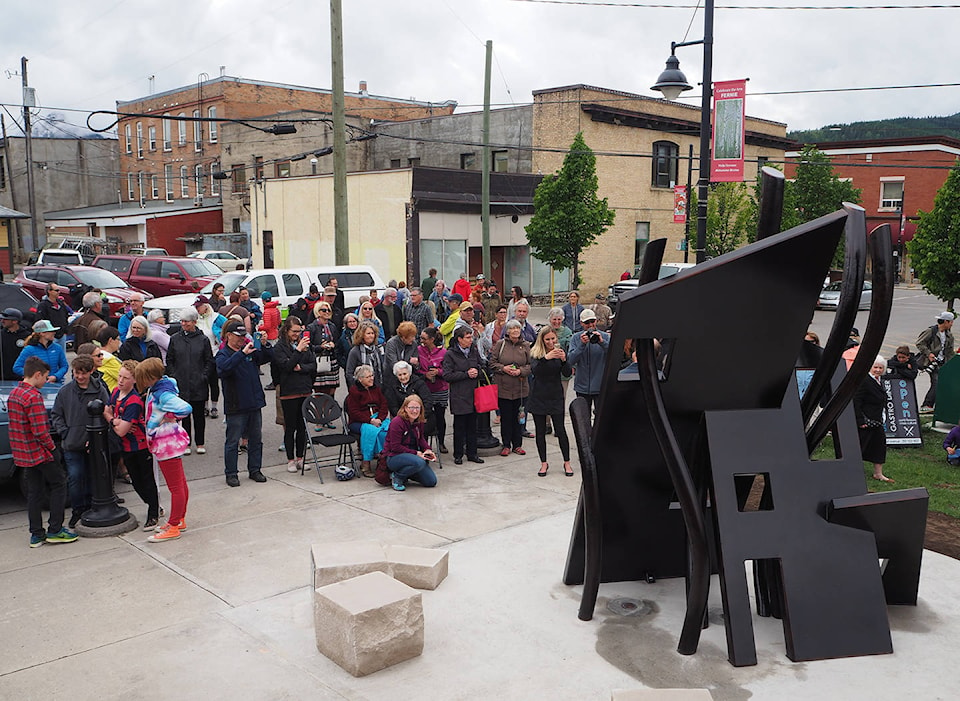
(901, 421)
(680, 204)
(729, 99)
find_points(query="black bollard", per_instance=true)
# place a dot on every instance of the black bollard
(105, 510)
(485, 437)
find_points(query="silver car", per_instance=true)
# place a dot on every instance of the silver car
(830, 296)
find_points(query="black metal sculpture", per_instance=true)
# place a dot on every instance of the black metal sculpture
(672, 500)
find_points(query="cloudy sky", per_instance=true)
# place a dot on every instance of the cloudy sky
(86, 55)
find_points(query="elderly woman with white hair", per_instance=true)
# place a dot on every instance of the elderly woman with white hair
(139, 346)
(158, 331)
(868, 405)
(402, 383)
(188, 362)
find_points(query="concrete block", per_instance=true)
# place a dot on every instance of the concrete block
(420, 568)
(661, 695)
(368, 623)
(334, 562)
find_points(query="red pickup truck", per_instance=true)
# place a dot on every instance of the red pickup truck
(161, 275)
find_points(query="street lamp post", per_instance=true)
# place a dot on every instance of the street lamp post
(671, 83)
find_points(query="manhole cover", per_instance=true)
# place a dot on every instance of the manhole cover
(625, 606)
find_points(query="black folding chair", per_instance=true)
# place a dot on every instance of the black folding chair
(320, 409)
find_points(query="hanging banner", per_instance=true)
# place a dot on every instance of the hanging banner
(680, 204)
(729, 98)
(901, 419)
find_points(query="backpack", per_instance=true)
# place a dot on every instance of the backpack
(923, 361)
(381, 473)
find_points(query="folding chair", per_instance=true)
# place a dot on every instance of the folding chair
(434, 441)
(320, 409)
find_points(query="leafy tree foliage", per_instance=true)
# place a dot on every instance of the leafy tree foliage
(568, 216)
(909, 127)
(729, 220)
(935, 249)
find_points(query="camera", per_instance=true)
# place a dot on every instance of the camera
(594, 337)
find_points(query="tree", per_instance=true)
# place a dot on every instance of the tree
(728, 218)
(935, 249)
(815, 191)
(568, 216)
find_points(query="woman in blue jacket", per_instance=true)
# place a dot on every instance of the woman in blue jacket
(42, 344)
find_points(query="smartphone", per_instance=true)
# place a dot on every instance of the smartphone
(306, 335)
(256, 341)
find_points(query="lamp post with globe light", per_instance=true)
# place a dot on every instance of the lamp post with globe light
(671, 83)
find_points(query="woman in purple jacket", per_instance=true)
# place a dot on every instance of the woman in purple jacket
(407, 451)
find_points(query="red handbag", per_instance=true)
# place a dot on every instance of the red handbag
(486, 397)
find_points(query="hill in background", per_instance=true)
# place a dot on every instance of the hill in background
(899, 127)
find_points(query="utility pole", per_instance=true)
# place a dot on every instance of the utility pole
(485, 170)
(341, 226)
(29, 101)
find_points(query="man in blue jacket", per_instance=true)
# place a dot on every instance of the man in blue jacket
(238, 365)
(588, 353)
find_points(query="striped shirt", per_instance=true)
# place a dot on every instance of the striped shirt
(130, 408)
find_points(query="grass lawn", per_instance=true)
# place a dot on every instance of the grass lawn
(919, 466)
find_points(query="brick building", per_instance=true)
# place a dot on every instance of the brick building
(898, 178)
(173, 141)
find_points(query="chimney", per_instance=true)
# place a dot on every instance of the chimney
(363, 87)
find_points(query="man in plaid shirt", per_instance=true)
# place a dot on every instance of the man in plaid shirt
(33, 451)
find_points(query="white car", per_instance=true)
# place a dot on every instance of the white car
(225, 260)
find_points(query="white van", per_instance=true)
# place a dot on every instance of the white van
(286, 285)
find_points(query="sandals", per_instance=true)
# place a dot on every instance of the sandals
(543, 471)
(505, 452)
(519, 451)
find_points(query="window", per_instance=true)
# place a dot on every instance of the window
(468, 161)
(155, 186)
(131, 192)
(168, 182)
(500, 162)
(181, 129)
(292, 284)
(394, 162)
(184, 182)
(212, 114)
(235, 225)
(263, 283)
(139, 140)
(258, 168)
(214, 183)
(197, 131)
(891, 193)
(239, 177)
(165, 125)
(168, 268)
(449, 257)
(127, 138)
(413, 162)
(283, 169)
(149, 268)
(198, 174)
(152, 138)
(3, 173)
(642, 237)
(142, 192)
(665, 164)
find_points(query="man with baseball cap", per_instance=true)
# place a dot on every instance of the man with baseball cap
(12, 339)
(238, 365)
(588, 352)
(936, 347)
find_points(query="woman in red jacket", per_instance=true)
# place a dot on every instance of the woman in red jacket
(271, 317)
(407, 451)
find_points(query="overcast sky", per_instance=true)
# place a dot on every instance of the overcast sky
(87, 55)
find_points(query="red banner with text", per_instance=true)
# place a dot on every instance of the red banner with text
(729, 98)
(680, 204)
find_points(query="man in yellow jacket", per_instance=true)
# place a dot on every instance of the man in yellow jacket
(446, 328)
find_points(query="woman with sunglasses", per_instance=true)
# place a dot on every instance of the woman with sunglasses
(367, 313)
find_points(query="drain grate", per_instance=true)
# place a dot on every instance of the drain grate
(625, 606)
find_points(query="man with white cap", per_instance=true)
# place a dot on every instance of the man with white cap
(12, 340)
(588, 353)
(936, 347)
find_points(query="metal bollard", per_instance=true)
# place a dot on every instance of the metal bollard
(105, 510)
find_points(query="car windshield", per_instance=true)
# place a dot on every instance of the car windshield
(101, 279)
(200, 268)
(230, 282)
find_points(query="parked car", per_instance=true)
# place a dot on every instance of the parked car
(161, 275)
(225, 260)
(78, 280)
(830, 296)
(14, 295)
(618, 288)
(60, 256)
(9, 471)
(148, 252)
(286, 285)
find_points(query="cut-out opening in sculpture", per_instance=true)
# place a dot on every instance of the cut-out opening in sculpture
(753, 492)
(664, 350)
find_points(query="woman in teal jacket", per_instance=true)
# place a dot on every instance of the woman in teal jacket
(41, 344)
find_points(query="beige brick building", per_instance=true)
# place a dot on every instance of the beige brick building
(642, 145)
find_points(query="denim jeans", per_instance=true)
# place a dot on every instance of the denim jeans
(408, 466)
(247, 424)
(78, 480)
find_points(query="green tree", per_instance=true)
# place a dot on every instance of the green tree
(935, 249)
(568, 216)
(728, 218)
(815, 191)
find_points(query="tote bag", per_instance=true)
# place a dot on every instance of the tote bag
(486, 397)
